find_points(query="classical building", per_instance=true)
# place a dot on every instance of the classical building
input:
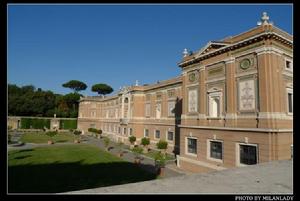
(231, 106)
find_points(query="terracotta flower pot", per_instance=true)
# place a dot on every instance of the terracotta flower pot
(50, 142)
(76, 141)
(120, 154)
(162, 171)
(137, 161)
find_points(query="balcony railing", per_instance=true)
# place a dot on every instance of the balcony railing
(124, 121)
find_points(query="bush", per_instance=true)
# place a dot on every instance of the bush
(94, 130)
(160, 159)
(162, 144)
(145, 141)
(106, 141)
(77, 132)
(137, 151)
(68, 124)
(27, 123)
(132, 139)
(51, 133)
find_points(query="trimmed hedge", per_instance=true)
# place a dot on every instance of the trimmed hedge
(27, 123)
(67, 124)
(94, 130)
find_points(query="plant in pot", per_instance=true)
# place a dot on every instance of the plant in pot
(145, 142)
(106, 143)
(137, 152)
(51, 134)
(77, 133)
(162, 145)
(160, 163)
(132, 139)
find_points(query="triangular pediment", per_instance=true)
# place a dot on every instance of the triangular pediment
(211, 46)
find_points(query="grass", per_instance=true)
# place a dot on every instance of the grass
(65, 168)
(41, 137)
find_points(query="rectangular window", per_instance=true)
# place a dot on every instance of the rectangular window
(192, 145)
(92, 126)
(93, 113)
(216, 150)
(248, 154)
(124, 131)
(130, 131)
(146, 133)
(192, 100)
(171, 108)
(288, 64)
(157, 134)
(120, 130)
(147, 110)
(170, 136)
(290, 102)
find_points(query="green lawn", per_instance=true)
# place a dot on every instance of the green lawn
(41, 137)
(65, 168)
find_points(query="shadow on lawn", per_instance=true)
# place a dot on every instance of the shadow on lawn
(62, 177)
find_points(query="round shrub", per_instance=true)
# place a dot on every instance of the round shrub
(145, 141)
(162, 144)
(132, 139)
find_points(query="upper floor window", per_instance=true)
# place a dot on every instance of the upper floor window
(214, 104)
(147, 108)
(290, 103)
(124, 131)
(146, 132)
(288, 64)
(130, 131)
(192, 100)
(171, 108)
(93, 113)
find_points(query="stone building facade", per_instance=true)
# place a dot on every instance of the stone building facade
(231, 106)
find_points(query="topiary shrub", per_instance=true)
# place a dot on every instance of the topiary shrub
(132, 139)
(162, 144)
(145, 141)
(51, 134)
(77, 133)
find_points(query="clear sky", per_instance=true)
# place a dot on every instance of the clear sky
(118, 44)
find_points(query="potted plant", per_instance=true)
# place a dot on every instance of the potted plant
(132, 139)
(137, 152)
(106, 143)
(77, 133)
(51, 134)
(145, 142)
(162, 145)
(160, 163)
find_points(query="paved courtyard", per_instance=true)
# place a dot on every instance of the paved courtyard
(274, 178)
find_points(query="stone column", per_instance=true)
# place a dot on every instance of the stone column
(202, 97)
(231, 93)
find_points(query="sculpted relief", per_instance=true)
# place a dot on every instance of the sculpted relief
(247, 95)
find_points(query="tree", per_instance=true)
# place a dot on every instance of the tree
(75, 85)
(102, 89)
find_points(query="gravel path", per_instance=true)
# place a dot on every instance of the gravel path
(274, 177)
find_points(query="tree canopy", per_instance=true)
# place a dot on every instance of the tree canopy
(102, 89)
(26, 101)
(75, 85)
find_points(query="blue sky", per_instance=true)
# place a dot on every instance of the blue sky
(118, 44)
